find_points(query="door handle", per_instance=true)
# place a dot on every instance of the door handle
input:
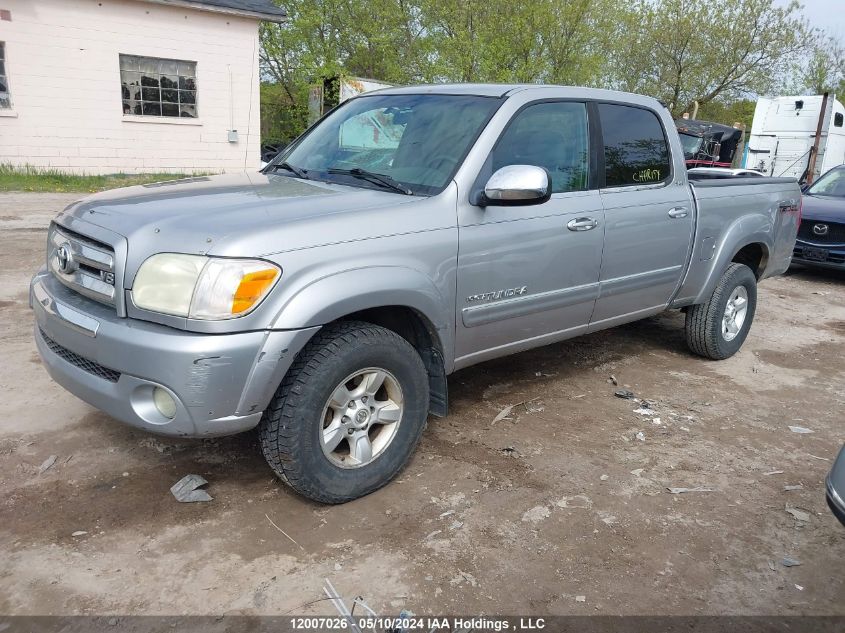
(582, 224)
(678, 212)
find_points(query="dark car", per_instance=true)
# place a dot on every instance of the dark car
(821, 236)
(836, 487)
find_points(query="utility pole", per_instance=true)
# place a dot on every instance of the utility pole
(814, 152)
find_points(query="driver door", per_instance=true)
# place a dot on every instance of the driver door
(529, 275)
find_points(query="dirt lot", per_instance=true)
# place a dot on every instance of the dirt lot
(521, 516)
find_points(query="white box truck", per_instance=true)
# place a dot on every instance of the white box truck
(783, 135)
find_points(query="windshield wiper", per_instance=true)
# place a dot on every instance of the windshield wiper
(371, 176)
(296, 171)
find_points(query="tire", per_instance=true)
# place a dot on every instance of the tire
(296, 429)
(705, 331)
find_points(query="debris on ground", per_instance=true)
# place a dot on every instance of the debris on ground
(186, 489)
(504, 413)
(47, 464)
(637, 472)
(678, 491)
(645, 410)
(640, 436)
(79, 533)
(604, 477)
(536, 514)
(509, 450)
(625, 394)
(580, 598)
(798, 513)
(824, 459)
(790, 562)
(800, 429)
(612, 379)
(774, 472)
(284, 533)
(799, 587)
(797, 487)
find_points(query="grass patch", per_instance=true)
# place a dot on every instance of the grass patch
(28, 178)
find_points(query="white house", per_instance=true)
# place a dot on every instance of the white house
(106, 86)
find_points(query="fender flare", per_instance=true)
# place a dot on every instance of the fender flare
(737, 236)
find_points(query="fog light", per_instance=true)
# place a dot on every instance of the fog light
(165, 403)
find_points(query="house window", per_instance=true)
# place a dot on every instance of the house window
(158, 87)
(5, 99)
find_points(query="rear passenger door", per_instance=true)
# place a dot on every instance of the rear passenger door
(649, 216)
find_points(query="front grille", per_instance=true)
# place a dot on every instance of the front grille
(82, 264)
(85, 364)
(809, 232)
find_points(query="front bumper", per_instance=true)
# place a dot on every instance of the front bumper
(834, 255)
(221, 383)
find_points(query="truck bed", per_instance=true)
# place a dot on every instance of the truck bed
(732, 213)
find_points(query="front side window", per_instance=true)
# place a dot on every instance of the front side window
(5, 98)
(635, 148)
(831, 184)
(151, 86)
(415, 140)
(552, 135)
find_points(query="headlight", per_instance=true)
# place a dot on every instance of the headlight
(201, 287)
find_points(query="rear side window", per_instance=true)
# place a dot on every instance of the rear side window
(552, 135)
(635, 148)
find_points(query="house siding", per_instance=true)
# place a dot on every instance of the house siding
(62, 61)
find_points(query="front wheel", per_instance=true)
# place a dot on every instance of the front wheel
(349, 413)
(717, 329)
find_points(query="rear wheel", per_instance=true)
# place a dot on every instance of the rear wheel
(718, 328)
(348, 414)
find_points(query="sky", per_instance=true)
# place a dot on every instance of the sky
(826, 14)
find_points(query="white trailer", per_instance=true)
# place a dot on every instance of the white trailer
(784, 131)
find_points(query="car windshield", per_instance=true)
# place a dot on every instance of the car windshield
(690, 144)
(406, 143)
(831, 184)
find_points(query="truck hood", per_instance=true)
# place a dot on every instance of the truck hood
(824, 208)
(210, 214)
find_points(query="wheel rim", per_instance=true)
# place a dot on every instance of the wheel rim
(361, 417)
(735, 312)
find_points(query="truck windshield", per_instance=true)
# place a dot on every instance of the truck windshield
(831, 184)
(690, 144)
(404, 143)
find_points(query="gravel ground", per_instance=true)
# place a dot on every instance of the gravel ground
(561, 500)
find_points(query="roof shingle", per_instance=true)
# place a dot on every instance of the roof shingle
(262, 9)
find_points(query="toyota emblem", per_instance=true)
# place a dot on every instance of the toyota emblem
(64, 259)
(820, 229)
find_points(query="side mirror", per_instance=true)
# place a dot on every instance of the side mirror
(517, 185)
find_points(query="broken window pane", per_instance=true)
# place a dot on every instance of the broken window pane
(158, 87)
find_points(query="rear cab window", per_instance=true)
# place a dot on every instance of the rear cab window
(636, 151)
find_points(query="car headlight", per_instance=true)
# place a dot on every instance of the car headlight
(200, 287)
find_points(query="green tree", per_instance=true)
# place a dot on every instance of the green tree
(825, 67)
(683, 51)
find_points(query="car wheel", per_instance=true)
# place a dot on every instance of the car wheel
(348, 414)
(717, 329)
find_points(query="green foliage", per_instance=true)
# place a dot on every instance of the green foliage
(680, 51)
(825, 67)
(29, 178)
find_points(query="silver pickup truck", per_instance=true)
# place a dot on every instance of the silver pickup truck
(410, 233)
